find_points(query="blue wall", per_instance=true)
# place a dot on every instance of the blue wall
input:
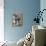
(28, 7)
(43, 6)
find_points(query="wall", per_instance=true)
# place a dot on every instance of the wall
(1, 21)
(43, 6)
(28, 8)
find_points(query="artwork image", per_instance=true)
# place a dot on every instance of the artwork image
(17, 19)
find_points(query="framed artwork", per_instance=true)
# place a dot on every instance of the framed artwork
(17, 19)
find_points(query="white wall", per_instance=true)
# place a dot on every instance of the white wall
(1, 21)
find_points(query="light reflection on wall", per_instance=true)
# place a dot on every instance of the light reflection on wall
(1, 21)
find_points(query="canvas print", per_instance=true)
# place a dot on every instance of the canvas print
(17, 19)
